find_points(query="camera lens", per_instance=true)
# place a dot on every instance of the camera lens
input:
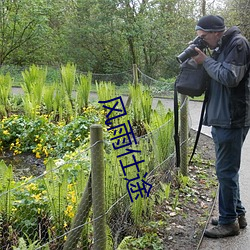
(187, 53)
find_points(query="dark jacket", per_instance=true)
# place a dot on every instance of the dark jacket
(229, 90)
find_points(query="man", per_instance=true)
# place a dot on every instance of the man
(228, 112)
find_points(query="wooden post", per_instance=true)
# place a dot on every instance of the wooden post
(135, 74)
(80, 218)
(98, 194)
(135, 82)
(184, 135)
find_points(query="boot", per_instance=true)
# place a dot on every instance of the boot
(221, 231)
(241, 219)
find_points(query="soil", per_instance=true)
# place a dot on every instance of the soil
(187, 222)
(25, 164)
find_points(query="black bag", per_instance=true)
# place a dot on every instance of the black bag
(192, 80)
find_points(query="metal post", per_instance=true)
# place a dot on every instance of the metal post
(184, 135)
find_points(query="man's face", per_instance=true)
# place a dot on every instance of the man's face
(211, 38)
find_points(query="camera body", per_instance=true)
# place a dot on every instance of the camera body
(190, 51)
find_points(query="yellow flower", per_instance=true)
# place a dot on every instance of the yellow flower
(38, 156)
(6, 132)
(14, 209)
(73, 199)
(37, 196)
(69, 211)
(31, 187)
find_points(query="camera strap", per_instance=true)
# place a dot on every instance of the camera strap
(176, 126)
(199, 127)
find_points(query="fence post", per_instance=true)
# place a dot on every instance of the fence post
(98, 191)
(80, 218)
(135, 74)
(184, 135)
(135, 82)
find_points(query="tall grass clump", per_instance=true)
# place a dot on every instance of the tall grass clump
(33, 86)
(68, 74)
(141, 103)
(105, 91)
(83, 91)
(161, 132)
(48, 97)
(5, 90)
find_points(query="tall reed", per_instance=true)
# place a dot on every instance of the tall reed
(33, 86)
(68, 74)
(105, 90)
(6, 184)
(141, 103)
(161, 129)
(83, 91)
(48, 97)
(5, 90)
(56, 184)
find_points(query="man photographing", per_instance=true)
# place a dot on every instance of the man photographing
(228, 112)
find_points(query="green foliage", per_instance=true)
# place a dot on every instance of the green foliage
(64, 180)
(83, 91)
(34, 81)
(43, 137)
(6, 184)
(68, 74)
(103, 36)
(164, 192)
(161, 126)
(29, 245)
(147, 241)
(5, 90)
(48, 98)
(141, 103)
(30, 206)
(56, 184)
(105, 91)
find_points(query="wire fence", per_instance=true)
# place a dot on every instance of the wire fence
(57, 209)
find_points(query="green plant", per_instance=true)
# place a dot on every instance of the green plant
(83, 91)
(161, 132)
(176, 199)
(56, 187)
(141, 105)
(164, 191)
(29, 245)
(147, 241)
(62, 104)
(184, 181)
(48, 98)
(105, 91)
(68, 74)
(34, 81)
(30, 208)
(6, 196)
(5, 90)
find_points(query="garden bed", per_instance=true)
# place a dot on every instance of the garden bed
(187, 223)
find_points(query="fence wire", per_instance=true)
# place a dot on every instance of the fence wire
(42, 212)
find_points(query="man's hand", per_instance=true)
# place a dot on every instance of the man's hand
(200, 58)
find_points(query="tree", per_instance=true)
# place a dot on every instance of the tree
(21, 21)
(237, 13)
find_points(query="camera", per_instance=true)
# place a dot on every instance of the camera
(190, 51)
